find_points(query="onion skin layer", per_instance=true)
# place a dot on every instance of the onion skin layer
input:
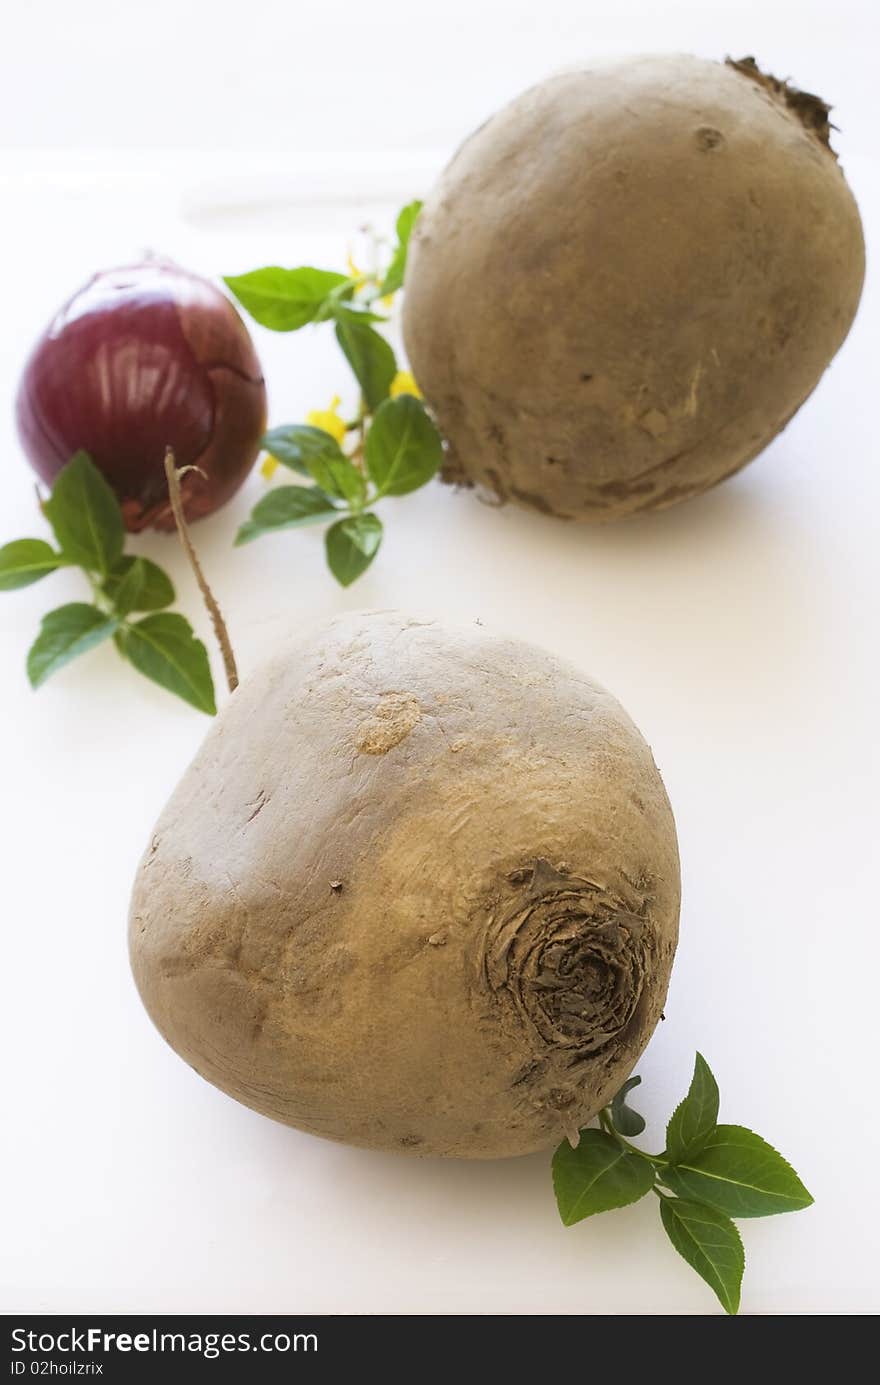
(140, 359)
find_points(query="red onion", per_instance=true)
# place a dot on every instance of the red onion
(141, 359)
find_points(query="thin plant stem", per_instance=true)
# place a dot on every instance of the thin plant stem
(210, 600)
(608, 1126)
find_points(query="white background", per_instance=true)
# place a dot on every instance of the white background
(739, 630)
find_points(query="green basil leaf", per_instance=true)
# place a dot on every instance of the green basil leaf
(623, 1117)
(337, 301)
(338, 475)
(163, 647)
(350, 312)
(296, 444)
(284, 299)
(406, 220)
(25, 561)
(64, 633)
(394, 274)
(403, 448)
(597, 1176)
(312, 452)
(738, 1173)
(710, 1243)
(370, 357)
(286, 507)
(247, 532)
(137, 584)
(85, 516)
(397, 268)
(694, 1119)
(351, 546)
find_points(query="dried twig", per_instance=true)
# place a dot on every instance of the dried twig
(214, 612)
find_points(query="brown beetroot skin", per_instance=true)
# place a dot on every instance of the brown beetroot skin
(628, 280)
(418, 891)
(140, 359)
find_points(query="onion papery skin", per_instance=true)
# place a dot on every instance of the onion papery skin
(142, 358)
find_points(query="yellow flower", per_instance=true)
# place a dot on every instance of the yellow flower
(354, 273)
(329, 420)
(404, 383)
(269, 466)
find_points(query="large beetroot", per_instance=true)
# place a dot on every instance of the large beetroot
(628, 280)
(419, 891)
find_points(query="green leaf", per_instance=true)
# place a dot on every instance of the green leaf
(394, 274)
(247, 532)
(694, 1119)
(314, 453)
(370, 357)
(296, 444)
(286, 507)
(397, 268)
(137, 584)
(350, 312)
(337, 303)
(623, 1118)
(64, 633)
(406, 220)
(164, 648)
(738, 1173)
(85, 516)
(597, 1176)
(338, 475)
(25, 561)
(711, 1245)
(351, 545)
(403, 448)
(284, 299)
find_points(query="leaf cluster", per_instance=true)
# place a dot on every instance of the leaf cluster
(391, 447)
(130, 595)
(707, 1175)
